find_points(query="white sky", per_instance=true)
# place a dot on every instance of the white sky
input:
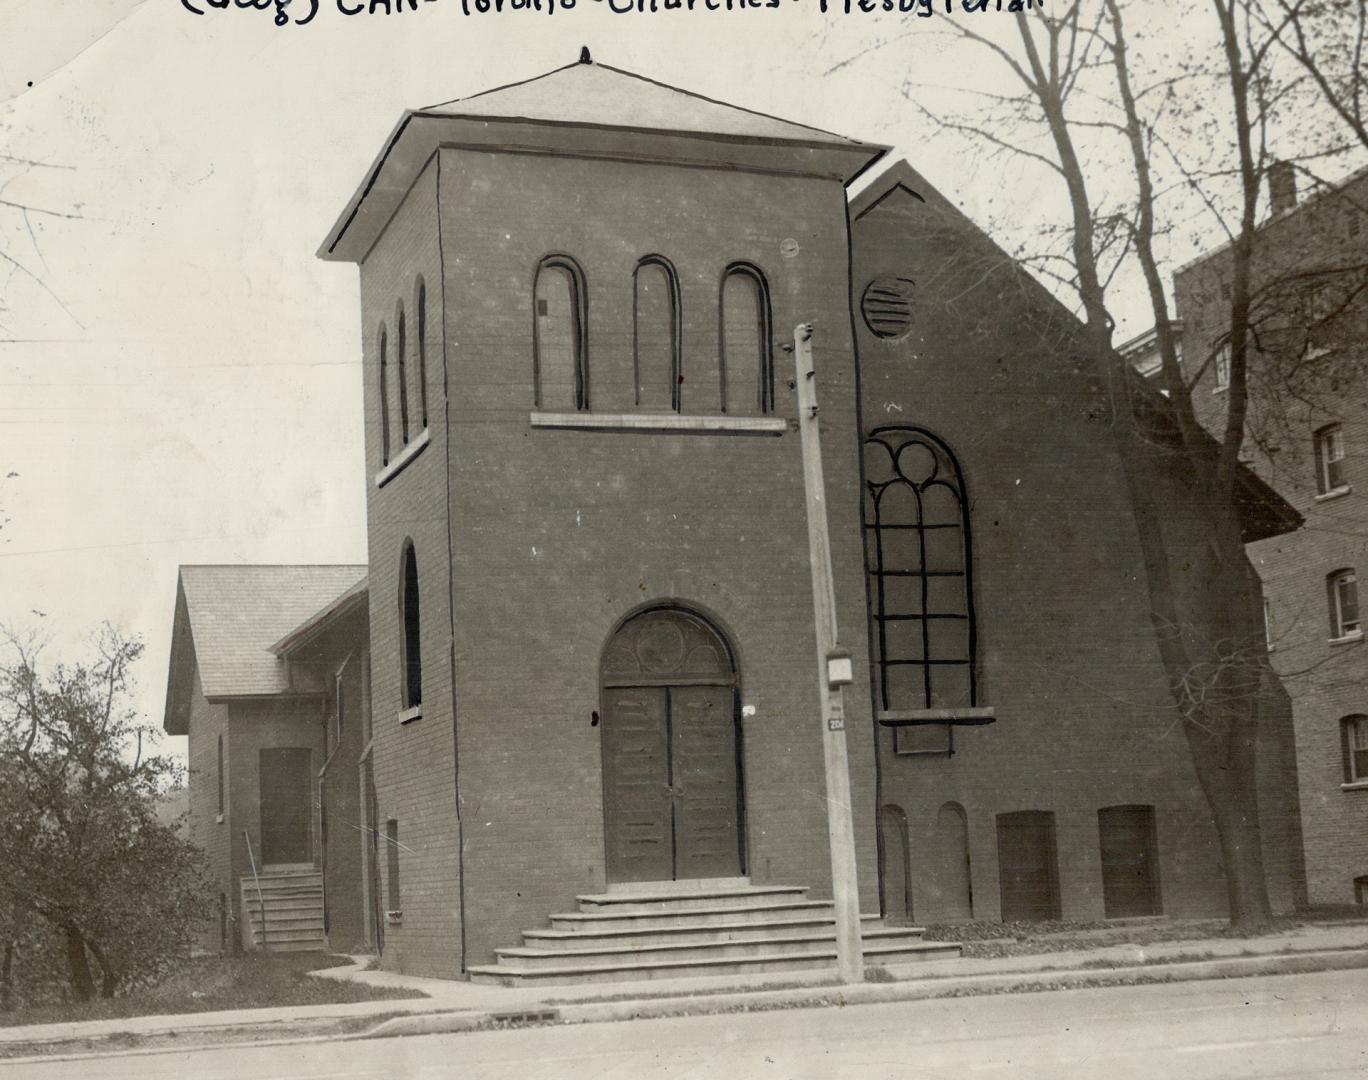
(183, 385)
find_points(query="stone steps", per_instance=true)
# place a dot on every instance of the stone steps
(729, 930)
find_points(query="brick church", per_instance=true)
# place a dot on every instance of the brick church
(583, 650)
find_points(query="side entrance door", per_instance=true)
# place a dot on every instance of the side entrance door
(286, 790)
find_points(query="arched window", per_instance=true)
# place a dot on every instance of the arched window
(747, 366)
(410, 641)
(401, 358)
(918, 552)
(655, 334)
(384, 397)
(421, 308)
(559, 335)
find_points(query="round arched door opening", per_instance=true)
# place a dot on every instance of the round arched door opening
(672, 781)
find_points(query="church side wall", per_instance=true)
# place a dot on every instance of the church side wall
(414, 759)
(207, 723)
(1066, 652)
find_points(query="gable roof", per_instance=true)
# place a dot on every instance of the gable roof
(600, 95)
(589, 110)
(1263, 512)
(228, 617)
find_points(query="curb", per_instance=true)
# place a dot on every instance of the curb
(873, 993)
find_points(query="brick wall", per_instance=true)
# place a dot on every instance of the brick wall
(415, 762)
(1325, 681)
(1067, 654)
(207, 722)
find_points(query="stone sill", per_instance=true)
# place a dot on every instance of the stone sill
(914, 717)
(408, 716)
(662, 423)
(407, 454)
(1334, 493)
(1357, 785)
(1348, 639)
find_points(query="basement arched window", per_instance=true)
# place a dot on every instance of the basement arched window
(410, 642)
(747, 365)
(559, 335)
(918, 557)
(655, 334)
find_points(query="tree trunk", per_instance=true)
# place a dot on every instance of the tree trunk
(7, 978)
(78, 965)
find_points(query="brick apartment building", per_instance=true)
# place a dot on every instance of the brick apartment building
(1308, 434)
(591, 656)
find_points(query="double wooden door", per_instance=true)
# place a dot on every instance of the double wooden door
(671, 782)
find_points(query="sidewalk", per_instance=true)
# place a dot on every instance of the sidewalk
(461, 1006)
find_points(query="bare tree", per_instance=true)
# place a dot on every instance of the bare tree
(1117, 129)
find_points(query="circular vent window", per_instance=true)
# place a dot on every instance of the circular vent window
(887, 307)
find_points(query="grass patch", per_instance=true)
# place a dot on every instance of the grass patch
(209, 984)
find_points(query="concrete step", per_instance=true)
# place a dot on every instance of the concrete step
(305, 889)
(715, 930)
(654, 902)
(517, 973)
(275, 936)
(295, 946)
(534, 958)
(305, 922)
(613, 920)
(283, 907)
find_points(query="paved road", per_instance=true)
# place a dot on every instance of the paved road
(1300, 1026)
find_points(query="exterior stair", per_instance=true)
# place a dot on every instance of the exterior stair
(733, 930)
(292, 901)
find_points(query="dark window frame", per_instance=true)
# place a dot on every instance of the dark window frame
(1354, 757)
(410, 630)
(420, 307)
(401, 370)
(1329, 471)
(765, 390)
(880, 613)
(579, 308)
(1340, 625)
(676, 347)
(220, 773)
(393, 895)
(384, 395)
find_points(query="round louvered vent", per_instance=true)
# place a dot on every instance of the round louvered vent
(887, 307)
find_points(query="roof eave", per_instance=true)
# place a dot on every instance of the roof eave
(307, 632)
(419, 135)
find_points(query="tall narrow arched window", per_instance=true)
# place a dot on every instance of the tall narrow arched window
(384, 397)
(918, 553)
(655, 334)
(747, 364)
(410, 641)
(559, 335)
(421, 309)
(401, 364)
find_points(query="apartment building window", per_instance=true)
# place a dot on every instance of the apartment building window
(1354, 740)
(1222, 366)
(1342, 587)
(1329, 445)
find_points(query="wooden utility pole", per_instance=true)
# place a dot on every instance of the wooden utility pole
(834, 673)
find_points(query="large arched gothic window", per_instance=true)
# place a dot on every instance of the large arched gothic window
(918, 556)
(410, 642)
(559, 335)
(655, 334)
(747, 365)
(384, 396)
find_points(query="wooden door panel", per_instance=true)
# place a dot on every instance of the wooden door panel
(703, 753)
(1129, 874)
(286, 805)
(636, 784)
(1027, 866)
